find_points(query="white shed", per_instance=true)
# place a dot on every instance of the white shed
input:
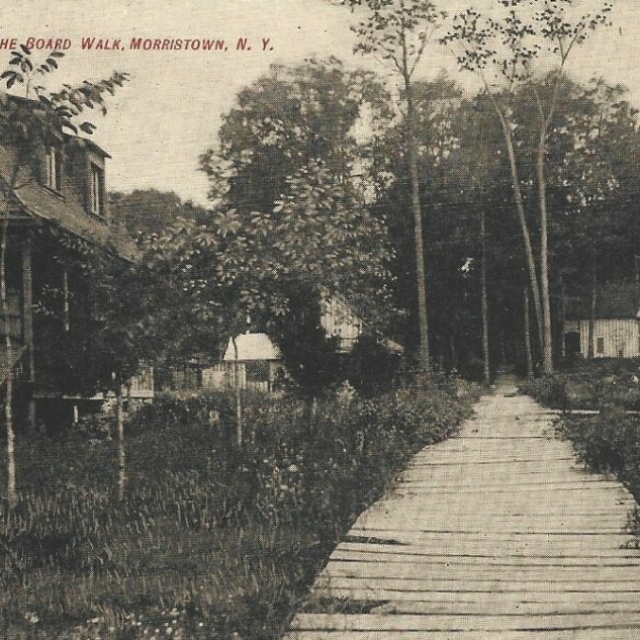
(256, 362)
(616, 323)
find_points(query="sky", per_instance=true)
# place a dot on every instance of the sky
(170, 111)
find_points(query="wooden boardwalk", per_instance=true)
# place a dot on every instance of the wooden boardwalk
(496, 534)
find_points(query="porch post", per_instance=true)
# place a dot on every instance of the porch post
(27, 314)
(65, 299)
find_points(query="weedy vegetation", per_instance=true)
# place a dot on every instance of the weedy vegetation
(210, 541)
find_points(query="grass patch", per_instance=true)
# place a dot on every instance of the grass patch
(210, 541)
(608, 443)
(590, 384)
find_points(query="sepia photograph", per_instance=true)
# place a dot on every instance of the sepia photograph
(320, 320)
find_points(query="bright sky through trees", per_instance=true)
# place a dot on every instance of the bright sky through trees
(170, 112)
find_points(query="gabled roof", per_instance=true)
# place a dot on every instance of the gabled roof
(68, 213)
(252, 347)
(613, 301)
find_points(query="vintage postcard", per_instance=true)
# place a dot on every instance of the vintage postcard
(319, 319)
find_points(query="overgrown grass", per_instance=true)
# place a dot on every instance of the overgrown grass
(210, 541)
(589, 384)
(608, 442)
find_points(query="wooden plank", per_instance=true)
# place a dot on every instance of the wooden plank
(422, 604)
(406, 570)
(574, 537)
(407, 622)
(618, 633)
(484, 561)
(487, 585)
(512, 599)
(517, 521)
(522, 549)
(489, 607)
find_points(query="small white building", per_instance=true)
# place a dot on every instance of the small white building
(254, 359)
(616, 325)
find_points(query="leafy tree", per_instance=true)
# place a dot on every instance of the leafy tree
(286, 181)
(505, 50)
(287, 119)
(137, 318)
(437, 140)
(27, 125)
(318, 236)
(309, 355)
(591, 185)
(398, 33)
(145, 212)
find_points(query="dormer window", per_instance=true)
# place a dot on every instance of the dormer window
(53, 169)
(96, 202)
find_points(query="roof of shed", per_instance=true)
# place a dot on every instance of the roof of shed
(613, 301)
(252, 347)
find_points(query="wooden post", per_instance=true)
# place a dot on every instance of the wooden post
(122, 469)
(563, 313)
(485, 303)
(236, 370)
(27, 326)
(65, 298)
(591, 346)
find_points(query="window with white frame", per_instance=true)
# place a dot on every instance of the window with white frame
(96, 203)
(53, 169)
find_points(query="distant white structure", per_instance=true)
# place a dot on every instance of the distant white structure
(616, 326)
(254, 359)
(338, 319)
(258, 361)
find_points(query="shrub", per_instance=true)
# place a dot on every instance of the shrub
(371, 366)
(550, 391)
(171, 412)
(608, 442)
(93, 426)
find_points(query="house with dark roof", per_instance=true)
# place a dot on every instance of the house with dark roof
(615, 320)
(57, 209)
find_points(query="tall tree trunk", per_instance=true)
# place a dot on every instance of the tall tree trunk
(591, 347)
(122, 469)
(563, 313)
(547, 343)
(485, 302)
(522, 219)
(12, 493)
(424, 357)
(527, 334)
(238, 394)
(27, 314)
(453, 352)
